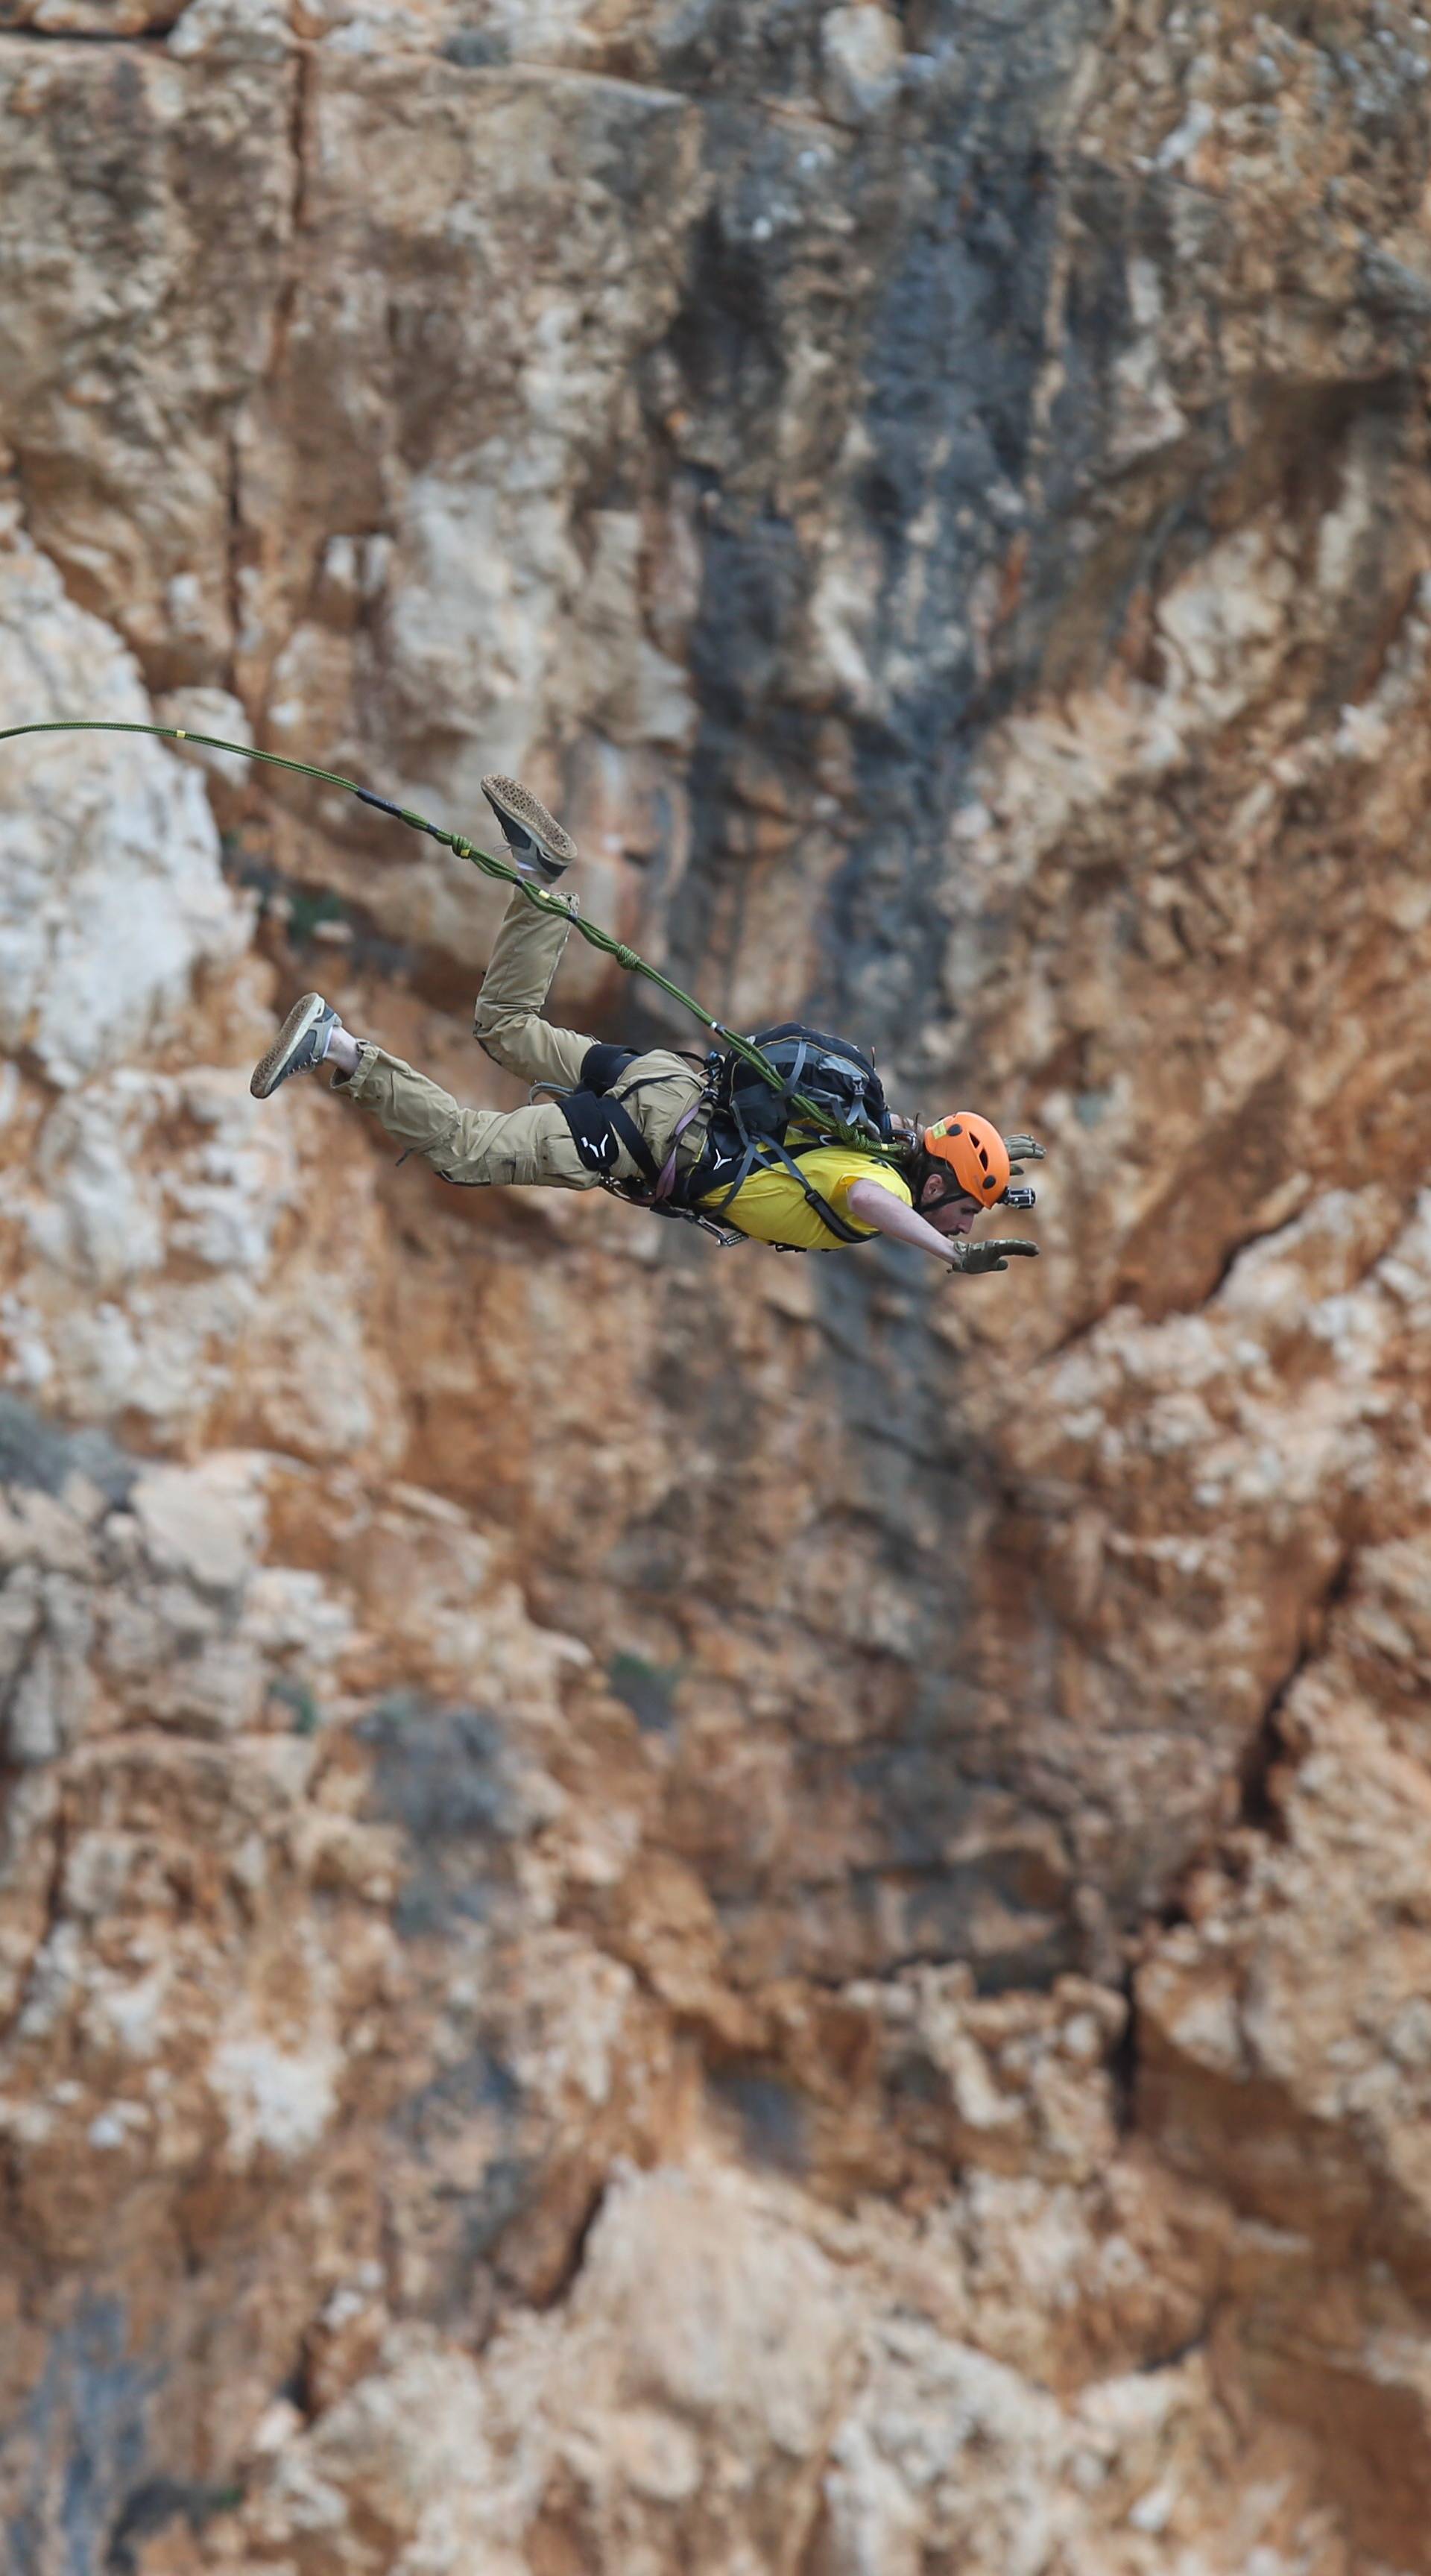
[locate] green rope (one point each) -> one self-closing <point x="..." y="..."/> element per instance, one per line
<point x="537" y="896"/>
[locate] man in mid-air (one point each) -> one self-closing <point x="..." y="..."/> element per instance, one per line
<point x="654" y="1126"/>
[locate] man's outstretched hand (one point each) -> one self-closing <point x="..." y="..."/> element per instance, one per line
<point x="972" y="1259"/>
<point x="871" y="1204"/>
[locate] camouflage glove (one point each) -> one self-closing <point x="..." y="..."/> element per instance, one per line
<point x="971" y="1260"/>
<point x="1024" y="1149"/>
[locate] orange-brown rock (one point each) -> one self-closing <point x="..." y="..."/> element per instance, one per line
<point x="662" y="1910"/>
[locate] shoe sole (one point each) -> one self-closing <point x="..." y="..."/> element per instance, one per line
<point x="270" y="1069"/>
<point x="511" y="802"/>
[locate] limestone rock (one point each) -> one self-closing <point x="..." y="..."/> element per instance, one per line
<point x="862" y="55"/>
<point x="660" y="1911"/>
<point x="113" y="898"/>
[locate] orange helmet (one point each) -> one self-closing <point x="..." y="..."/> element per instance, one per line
<point x="974" y="1151"/>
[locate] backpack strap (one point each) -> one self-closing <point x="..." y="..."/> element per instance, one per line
<point x="764" y="1152"/>
<point x="696" y="1185"/>
<point x="842" y="1232"/>
<point x="791" y="1083"/>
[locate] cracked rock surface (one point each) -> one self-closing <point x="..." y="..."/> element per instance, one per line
<point x="665" y="1911"/>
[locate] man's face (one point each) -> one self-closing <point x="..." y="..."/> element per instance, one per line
<point x="949" y="1211"/>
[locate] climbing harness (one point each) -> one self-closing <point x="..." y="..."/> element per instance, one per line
<point x="806" y="1101"/>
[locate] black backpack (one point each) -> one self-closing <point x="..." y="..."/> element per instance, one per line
<point x="828" y="1094"/>
<point x="824" y="1092"/>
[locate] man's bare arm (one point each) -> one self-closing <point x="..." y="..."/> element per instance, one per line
<point x="870" y="1203"/>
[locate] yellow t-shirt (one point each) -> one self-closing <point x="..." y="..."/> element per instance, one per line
<point x="771" y="1207"/>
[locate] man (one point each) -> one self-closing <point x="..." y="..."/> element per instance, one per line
<point x="642" y="1123"/>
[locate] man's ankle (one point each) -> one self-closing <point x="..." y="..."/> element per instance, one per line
<point x="344" y="1052"/>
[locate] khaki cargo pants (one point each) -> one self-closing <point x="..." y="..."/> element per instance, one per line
<point x="532" y="1147"/>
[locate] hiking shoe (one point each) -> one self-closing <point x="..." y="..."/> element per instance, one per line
<point x="301" y="1043"/>
<point x="538" y="844"/>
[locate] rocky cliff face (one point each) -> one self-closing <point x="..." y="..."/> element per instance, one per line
<point x="663" y="1911"/>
